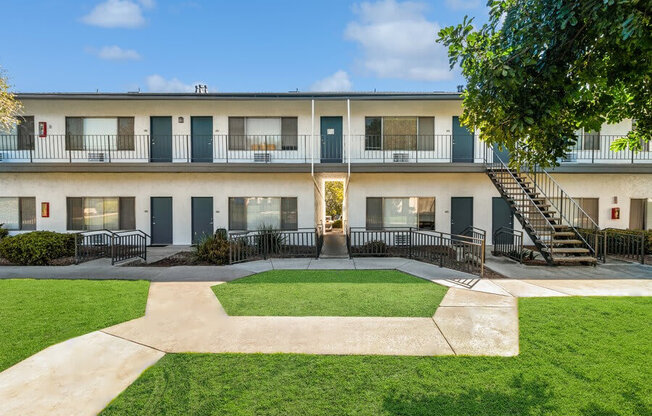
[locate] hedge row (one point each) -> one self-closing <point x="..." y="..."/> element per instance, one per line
<point x="37" y="247"/>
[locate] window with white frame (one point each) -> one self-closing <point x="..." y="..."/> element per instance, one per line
<point x="20" y="136"/>
<point x="252" y="213"/>
<point x="18" y="213"/>
<point x="416" y="212"/>
<point x="263" y="133"/>
<point x="399" y="133"/>
<point x="97" y="213"/>
<point x="100" y="133"/>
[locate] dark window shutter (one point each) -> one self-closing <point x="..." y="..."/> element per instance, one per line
<point x="373" y="131"/>
<point x="237" y="214"/>
<point x="289" y="220"/>
<point x="237" y="139"/>
<point x="592" y="140"/>
<point x="75" y="214"/>
<point x="74" y="133"/>
<point x="426" y="213"/>
<point x="27" y="213"/>
<point x="26" y="133"/>
<point x="127" y="213"/>
<point x="125" y="133"/>
<point x="374" y="213"/>
<point x="426" y="133"/>
<point x="289" y="133"/>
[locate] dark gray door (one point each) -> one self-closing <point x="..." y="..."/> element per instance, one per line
<point x="501" y="216"/>
<point x="160" y="139"/>
<point x="201" y="130"/>
<point x="461" y="213"/>
<point x="462" y="142"/>
<point x="202" y="218"/>
<point x="331" y="139"/>
<point x="161" y="215"/>
<point x="502" y="153"/>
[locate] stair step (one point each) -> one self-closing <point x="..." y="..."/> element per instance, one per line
<point x="577" y="259"/>
<point x="574" y="242"/>
<point x="564" y="234"/>
<point x="568" y="250"/>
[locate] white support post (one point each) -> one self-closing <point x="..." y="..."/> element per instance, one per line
<point x="312" y="140"/>
<point x="348" y="139"/>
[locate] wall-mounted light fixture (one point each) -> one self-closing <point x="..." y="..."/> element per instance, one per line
<point x="180" y="119"/>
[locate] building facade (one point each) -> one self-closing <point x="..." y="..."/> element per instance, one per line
<point x="181" y="165"/>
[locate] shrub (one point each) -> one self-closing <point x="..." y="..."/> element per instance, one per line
<point x="3" y="232"/>
<point x="648" y="236"/>
<point x="213" y="249"/>
<point x="373" y="247"/>
<point x="268" y="240"/>
<point x="337" y="224"/>
<point x="37" y="247"/>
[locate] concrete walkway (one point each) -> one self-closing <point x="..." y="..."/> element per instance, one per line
<point x="476" y="317"/>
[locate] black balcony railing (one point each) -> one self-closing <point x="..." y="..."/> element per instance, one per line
<point x="264" y="244"/>
<point x="277" y="148"/>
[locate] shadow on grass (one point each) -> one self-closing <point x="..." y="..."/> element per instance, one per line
<point x="526" y="397"/>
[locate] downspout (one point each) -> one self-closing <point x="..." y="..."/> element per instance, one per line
<point x="312" y="141"/>
<point x="348" y="141"/>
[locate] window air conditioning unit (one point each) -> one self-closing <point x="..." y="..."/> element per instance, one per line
<point x="262" y="157"/>
<point x="96" y="157"/>
<point x="401" y="157"/>
<point x="401" y="240"/>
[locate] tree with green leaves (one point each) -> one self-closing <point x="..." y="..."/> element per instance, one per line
<point x="540" y="70"/>
<point x="334" y="197"/>
<point x="10" y="107"/>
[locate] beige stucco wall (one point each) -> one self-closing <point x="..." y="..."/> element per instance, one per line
<point x="55" y="187"/>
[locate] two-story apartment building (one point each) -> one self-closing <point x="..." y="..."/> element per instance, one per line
<point x="180" y="165"/>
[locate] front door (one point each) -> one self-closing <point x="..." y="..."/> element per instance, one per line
<point x="462" y="143"/>
<point x="461" y="214"/>
<point x="161" y="216"/>
<point x="202" y="218"/>
<point x="502" y="152"/>
<point x="201" y="131"/>
<point x="501" y="216"/>
<point x="331" y="139"/>
<point x="160" y="139"/>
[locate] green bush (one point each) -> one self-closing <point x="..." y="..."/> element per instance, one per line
<point x="3" y="232"/>
<point x="648" y="236"/>
<point x="213" y="249"/>
<point x="337" y="224"/>
<point x="37" y="247"/>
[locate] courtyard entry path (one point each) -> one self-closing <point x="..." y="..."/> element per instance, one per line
<point x="476" y="317"/>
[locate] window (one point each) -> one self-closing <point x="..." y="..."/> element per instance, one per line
<point x="96" y="213"/>
<point x="591" y="140"/>
<point x="400" y="212"/>
<point x="399" y="133"/>
<point x="20" y="136"/>
<point x="640" y="214"/>
<point x="18" y="213"/>
<point x="255" y="212"/>
<point x="263" y="133"/>
<point x="99" y="133"/>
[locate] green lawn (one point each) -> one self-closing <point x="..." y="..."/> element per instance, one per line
<point x="330" y="293"/>
<point x="35" y="314"/>
<point x="579" y="356"/>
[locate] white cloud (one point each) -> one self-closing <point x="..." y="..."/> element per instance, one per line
<point x="397" y="41"/>
<point x="339" y="81"/>
<point x="463" y="4"/>
<point x="116" y="53"/>
<point x="156" y="83"/>
<point x="118" y="13"/>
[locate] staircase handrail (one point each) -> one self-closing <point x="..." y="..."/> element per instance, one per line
<point x="563" y="195"/>
<point x="552" y="229"/>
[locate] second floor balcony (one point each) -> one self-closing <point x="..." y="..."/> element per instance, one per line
<point x="285" y="149"/>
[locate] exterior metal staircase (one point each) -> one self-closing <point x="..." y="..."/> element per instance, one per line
<point x="548" y="215"/>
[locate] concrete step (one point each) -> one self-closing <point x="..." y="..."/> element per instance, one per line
<point x="576" y="259"/>
<point x="567" y="250"/>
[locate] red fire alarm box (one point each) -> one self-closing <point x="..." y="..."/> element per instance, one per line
<point x="45" y="209"/>
<point x="615" y="213"/>
<point x="42" y="129"/>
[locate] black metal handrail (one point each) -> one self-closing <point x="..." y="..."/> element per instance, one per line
<point x="116" y="245"/>
<point x="508" y="242"/>
<point x="459" y="252"/>
<point x="626" y="244"/>
<point x="475" y="232"/>
<point x="264" y="244"/>
<point x="566" y="207"/>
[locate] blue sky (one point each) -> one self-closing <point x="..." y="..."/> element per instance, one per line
<point x="168" y="46"/>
